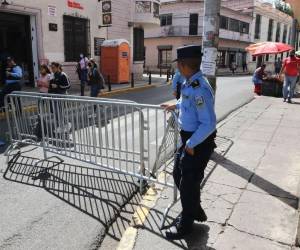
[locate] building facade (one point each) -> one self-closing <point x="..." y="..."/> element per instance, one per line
<point x="182" y="24"/>
<point x="268" y="24"/>
<point x="37" y="32"/>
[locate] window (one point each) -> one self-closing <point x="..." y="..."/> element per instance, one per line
<point x="234" y="25"/>
<point x="257" y="26"/>
<point x="143" y="7"/>
<point x="166" y="20"/>
<point x="270" y="30"/>
<point x="221" y="59"/>
<point x="284" y="36"/>
<point x="278" y="31"/>
<point x="253" y="58"/>
<point x="156" y="10"/>
<point x="267" y="57"/>
<point x="224" y="22"/>
<point x="138" y="44"/>
<point x="193" y="30"/>
<point x="244" y="27"/>
<point x="75" y="38"/>
<point x="164" y="58"/>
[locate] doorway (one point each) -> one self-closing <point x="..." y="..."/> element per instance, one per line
<point x="15" y="41"/>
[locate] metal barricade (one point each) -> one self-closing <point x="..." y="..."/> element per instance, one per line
<point x="134" y="139"/>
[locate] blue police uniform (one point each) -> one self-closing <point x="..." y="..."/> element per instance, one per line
<point x="12" y="82"/>
<point x="176" y="83"/>
<point x="197" y="121"/>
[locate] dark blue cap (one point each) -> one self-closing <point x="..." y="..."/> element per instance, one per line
<point x="190" y="51"/>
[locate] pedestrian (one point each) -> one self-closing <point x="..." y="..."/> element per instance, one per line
<point x="59" y="84"/>
<point x="233" y="67"/>
<point x="176" y="84"/>
<point x="43" y="81"/>
<point x="278" y="65"/>
<point x="13" y="77"/>
<point x="96" y="80"/>
<point x="291" y="67"/>
<point x="197" y="121"/>
<point x="257" y="79"/>
<point x="82" y="70"/>
<point x="245" y="66"/>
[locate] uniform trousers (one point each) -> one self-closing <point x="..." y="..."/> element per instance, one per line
<point x="188" y="174"/>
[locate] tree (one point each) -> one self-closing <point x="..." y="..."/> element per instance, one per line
<point x="284" y="7"/>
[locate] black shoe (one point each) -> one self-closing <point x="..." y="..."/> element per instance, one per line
<point x="200" y="215"/>
<point x="289" y="101"/>
<point x="178" y="232"/>
<point x="284" y="100"/>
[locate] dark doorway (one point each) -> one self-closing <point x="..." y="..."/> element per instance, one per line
<point x="75" y="38"/>
<point x="193" y="29"/>
<point x="15" y="40"/>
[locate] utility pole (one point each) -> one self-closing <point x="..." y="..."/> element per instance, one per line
<point x="294" y="33"/>
<point x="210" y="40"/>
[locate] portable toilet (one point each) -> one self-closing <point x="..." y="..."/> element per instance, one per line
<point x="115" y="60"/>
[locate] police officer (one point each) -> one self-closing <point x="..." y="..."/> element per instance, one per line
<point x="197" y="120"/>
<point x="13" y="79"/>
<point x="176" y="84"/>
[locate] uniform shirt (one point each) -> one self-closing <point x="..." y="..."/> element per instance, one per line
<point x="197" y="112"/>
<point x="16" y="75"/>
<point x="178" y="79"/>
<point x="291" y="65"/>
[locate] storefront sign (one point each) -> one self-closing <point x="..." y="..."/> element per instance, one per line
<point x="75" y="5"/>
<point x="51" y="10"/>
<point x="52" y="27"/>
<point x="97" y="45"/>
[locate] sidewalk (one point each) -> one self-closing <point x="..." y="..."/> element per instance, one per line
<point x="251" y="188"/>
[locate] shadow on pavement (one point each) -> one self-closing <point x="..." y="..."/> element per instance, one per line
<point x="258" y="181"/>
<point x="98" y="193"/>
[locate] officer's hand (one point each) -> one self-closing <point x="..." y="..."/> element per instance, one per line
<point x="168" y="107"/>
<point x="190" y="151"/>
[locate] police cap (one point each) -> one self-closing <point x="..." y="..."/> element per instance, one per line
<point x="190" y="51"/>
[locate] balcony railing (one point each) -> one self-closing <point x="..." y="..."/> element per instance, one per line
<point x="180" y="31"/>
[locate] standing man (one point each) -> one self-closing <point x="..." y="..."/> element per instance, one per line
<point x="59" y="84"/>
<point x="291" y="66"/>
<point x="13" y="77"/>
<point x="83" y="72"/>
<point x="197" y="120"/>
<point x="176" y="84"/>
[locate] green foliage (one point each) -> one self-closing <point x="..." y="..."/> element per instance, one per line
<point x="284" y="7"/>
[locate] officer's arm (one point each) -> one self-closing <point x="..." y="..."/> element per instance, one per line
<point x="64" y="84"/>
<point x="205" y="110"/>
<point x="17" y="72"/>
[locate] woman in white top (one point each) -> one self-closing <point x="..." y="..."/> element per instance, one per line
<point x="44" y="79"/>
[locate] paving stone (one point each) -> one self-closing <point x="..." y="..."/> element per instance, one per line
<point x="233" y="239"/>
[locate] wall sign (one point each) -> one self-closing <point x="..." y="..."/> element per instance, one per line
<point x="106" y="6"/>
<point x="52" y="26"/>
<point x="75" y="5"/>
<point x="97" y="45"/>
<point x="107" y="19"/>
<point x="51" y="10"/>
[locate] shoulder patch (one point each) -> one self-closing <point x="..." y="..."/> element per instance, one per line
<point x="196" y="84"/>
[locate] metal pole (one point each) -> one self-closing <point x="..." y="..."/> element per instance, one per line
<point x="210" y="39"/>
<point x="167" y="76"/>
<point x="132" y="80"/>
<point x="150" y="78"/>
<point x="108" y="83"/>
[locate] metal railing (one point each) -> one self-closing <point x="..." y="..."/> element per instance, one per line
<point x="134" y="139"/>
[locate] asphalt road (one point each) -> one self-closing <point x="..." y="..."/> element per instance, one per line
<point x="70" y="208"/>
<point x="232" y="92"/>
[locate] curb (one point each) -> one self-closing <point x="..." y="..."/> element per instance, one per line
<point x="126" y="90"/>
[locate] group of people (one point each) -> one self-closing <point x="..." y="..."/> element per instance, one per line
<point x="287" y="71"/>
<point x="88" y="73"/>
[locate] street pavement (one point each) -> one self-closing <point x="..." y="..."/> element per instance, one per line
<point x="250" y="192"/>
<point x="73" y="206"/>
